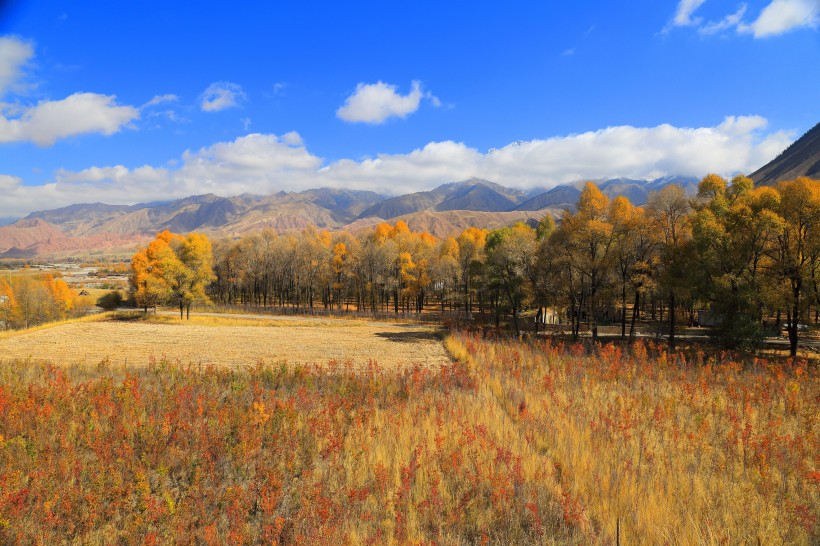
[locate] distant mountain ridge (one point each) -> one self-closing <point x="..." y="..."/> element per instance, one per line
<point x="802" y="158"/>
<point x="442" y="211"/>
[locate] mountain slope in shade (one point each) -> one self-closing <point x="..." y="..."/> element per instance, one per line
<point x="637" y="191"/>
<point x="802" y="158"/>
<point x="556" y="197"/>
<point x="478" y="197"/>
<point x="471" y="194"/>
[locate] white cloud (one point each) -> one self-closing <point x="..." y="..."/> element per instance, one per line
<point x="77" y="114"/>
<point x="14" y="54"/>
<point x="730" y="21"/>
<point x="377" y="102"/>
<point x="221" y="96"/>
<point x="782" y="16"/>
<point x="161" y="99"/>
<point x="778" y="17"/>
<point x="265" y="163"/>
<point x="51" y="120"/>
<point x="683" y="15"/>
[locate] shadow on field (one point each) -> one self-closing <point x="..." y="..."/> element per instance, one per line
<point x="128" y="316"/>
<point x="406" y="337"/>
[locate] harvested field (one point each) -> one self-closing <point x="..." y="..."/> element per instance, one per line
<point x="233" y="344"/>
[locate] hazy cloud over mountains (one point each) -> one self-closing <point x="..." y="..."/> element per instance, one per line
<point x="266" y="163"/>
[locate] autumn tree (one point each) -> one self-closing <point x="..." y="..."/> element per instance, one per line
<point x="793" y="253"/>
<point x="446" y="271"/>
<point x="471" y="252"/>
<point x="587" y="239"/>
<point x="147" y="281"/>
<point x="627" y="229"/>
<point x="9" y="311"/>
<point x="641" y="240"/>
<point x="172" y="269"/>
<point x="196" y="256"/>
<point x="546" y="272"/>
<point x="62" y="297"/>
<point x="669" y="208"/>
<point x="733" y="226"/>
<point x="510" y="259"/>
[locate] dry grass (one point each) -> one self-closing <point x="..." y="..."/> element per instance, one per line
<point x="513" y="443"/>
<point x="6" y="334"/>
<point x="232" y="342"/>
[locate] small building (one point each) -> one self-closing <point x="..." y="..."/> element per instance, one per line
<point x="548" y="315"/>
<point x="707" y="318"/>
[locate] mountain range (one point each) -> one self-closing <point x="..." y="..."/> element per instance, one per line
<point x="443" y="211"/>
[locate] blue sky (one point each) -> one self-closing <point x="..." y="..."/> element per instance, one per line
<point x="140" y="101"/>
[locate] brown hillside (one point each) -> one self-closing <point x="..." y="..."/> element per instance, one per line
<point x="34" y="237"/>
<point x="24" y="233"/>
<point x="452" y="222"/>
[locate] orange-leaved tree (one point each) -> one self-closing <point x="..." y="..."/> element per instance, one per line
<point x="147" y="281"/>
<point x="197" y="259"/>
<point x="172" y="269"/>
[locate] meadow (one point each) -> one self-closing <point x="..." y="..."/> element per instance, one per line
<point x="132" y="338"/>
<point x="505" y="442"/>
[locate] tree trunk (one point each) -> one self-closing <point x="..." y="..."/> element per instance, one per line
<point x="623" y="310"/>
<point x="672" y="320"/>
<point x="515" y="322"/>
<point x="634" y="316"/>
<point x="592" y="320"/>
<point x="793" y="318"/>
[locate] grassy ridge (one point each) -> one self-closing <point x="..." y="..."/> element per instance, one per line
<point x="511" y="444"/>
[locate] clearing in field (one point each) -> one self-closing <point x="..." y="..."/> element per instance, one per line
<point x="229" y="342"/>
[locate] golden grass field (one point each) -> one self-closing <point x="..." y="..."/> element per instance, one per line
<point x="232" y="342"/>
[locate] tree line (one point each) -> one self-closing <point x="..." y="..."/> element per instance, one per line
<point x="28" y="299"/>
<point x="750" y="256"/>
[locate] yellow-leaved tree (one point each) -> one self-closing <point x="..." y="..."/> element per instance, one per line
<point x="9" y="310"/>
<point x="62" y="297"/>
<point x="173" y="269"/>
<point x="196" y="256"/>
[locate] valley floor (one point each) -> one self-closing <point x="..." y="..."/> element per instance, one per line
<point x="234" y="341"/>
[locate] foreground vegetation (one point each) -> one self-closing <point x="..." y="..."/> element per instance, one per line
<point x="513" y="443"/>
